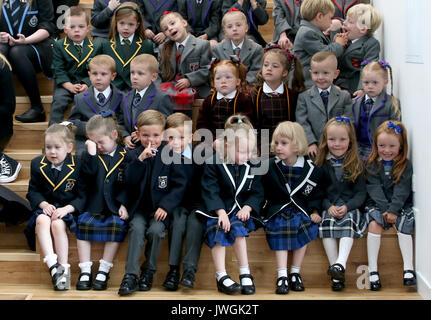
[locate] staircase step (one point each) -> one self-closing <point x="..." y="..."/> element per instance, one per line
<point x="19" y="255"/>
<point x="28" y="136"/>
<point x="46" y="85"/>
<point x="23" y="104"/>
<point x="12" y="236"/>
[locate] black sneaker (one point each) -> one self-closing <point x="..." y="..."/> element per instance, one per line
<point x="9" y="168"/>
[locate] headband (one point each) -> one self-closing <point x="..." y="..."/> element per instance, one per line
<point x="341" y="118"/>
<point x="397" y="129"/>
<point x="131" y="8"/>
<point x="289" y="54"/>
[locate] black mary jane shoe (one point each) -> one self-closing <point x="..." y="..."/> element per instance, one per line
<point x="101" y="285"/>
<point x="172" y="279"/>
<point x="248" y="289"/>
<point x="296" y="282"/>
<point x="375" y="285"/>
<point x="84" y="285"/>
<point x="188" y="279"/>
<point x="337" y="271"/>
<point x="129" y="284"/>
<point x="410" y="281"/>
<point x="232" y="289"/>
<point x="55" y="278"/>
<point x="283" y="286"/>
<point x="337" y="285"/>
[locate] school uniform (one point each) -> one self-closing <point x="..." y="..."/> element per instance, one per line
<point x="385" y="196"/>
<point x="310" y="40"/>
<point x="312" y="114"/>
<point x="251" y="55"/>
<point x="153" y="10"/>
<point x="69" y="65"/>
<point x="216" y="108"/>
<point x="88" y="104"/>
<point x="287" y="18"/>
<point x="123" y="54"/>
<point x="364" y="48"/>
<point x="153" y="99"/>
<point x="229" y="187"/>
<point x="338" y="192"/>
<point x="151" y="184"/>
<point x="291" y="194"/>
<point x="255" y="17"/>
<point x="103" y="182"/>
<point x="341" y="7"/>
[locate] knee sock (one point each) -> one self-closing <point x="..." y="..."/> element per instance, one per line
<point x="406" y="245"/>
<point x="245" y="270"/>
<point x="344" y="251"/>
<point x="104" y="266"/>
<point x="50" y="260"/>
<point x="373" y="247"/>
<point x="330" y="245"/>
<point x="85" y="267"/>
<point x="227" y="282"/>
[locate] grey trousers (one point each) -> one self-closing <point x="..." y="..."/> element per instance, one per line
<point x="60" y="101"/>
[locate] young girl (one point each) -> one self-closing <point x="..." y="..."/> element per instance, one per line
<point x="273" y="100"/>
<point x="345" y="193"/>
<point x="375" y="105"/>
<point x="55" y="195"/>
<point x="233" y="196"/>
<point x="389" y="186"/>
<point x="291" y="215"/>
<point x="104" y="219"/>
<point x="228" y="96"/>
<point x="184" y="58"/>
<point x="126" y="42"/>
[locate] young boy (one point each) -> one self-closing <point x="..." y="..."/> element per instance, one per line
<point x="185" y="223"/>
<point x="98" y="98"/>
<point x="362" y="21"/>
<point x="70" y="59"/>
<point x="157" y="189"/>
<point x="316" y="18"/>
<point x="234" y="24"/>
<point x="144" y="96"/>
<point x="322" y="101"/>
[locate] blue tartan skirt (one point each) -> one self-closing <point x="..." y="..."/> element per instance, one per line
<point x="238" y="228"/>
<point x="68" y="219"/>
<point x="404" y="224"/>
<point x="101" y="228"/>
<point x="290" y="230"/>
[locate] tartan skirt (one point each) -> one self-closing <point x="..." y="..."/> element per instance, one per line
<point x="352" y="225"/>
<point x="68" y="219"/>
<point x="404" y="224"/>
<point x="101" y="228"/>
<point x="290" y="230"/>
<point x="238" y="228"/>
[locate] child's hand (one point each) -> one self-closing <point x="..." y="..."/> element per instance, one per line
<point x="148" y="152"/>
<point x="358" y="93"/>
<point x="312" y="150"/>
<point x="160" y="214"/>
<point x="159" y="38"/>
<point x="342" y="211"/>
<point x="72" y="88"/>
<point x="182" y="84"/>
<point x="128" y="142"/>
<point x="135" y="137"/>
<point x="21" y="40"/>
<point x="83" y="87"/>
<point x="223" y="220"/>
<point x="47" y="208"/>
<point x="149" y="33"/>
<point x="284" y="42"/>
<point x="204" y="36"/>
<point x="122" y="212"/>
<point x="253" y="4"/>
<point x="60" y="213"/>
<point x="333" y="211"/>
<point x="389" y="217"/>
<point x="4" y="37"/>
<point x="244" y="213"/>
<point x="336" y="25"/>
<point x="91" y="147"/>
<point x="315" y="217"/>
<point x="113" y="4"/>
<point x="341" y="38"/>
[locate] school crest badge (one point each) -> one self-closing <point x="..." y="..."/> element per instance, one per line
<point x="194" y="66"/>
<point x="308" y="189"/>
<point x="33" y="21"/>
<point x="120" y="174"/>
<point x="163" y="182"/>
<point x="69" y="184"/>
<point x="356" y="63"/>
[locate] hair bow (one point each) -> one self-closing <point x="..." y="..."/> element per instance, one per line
<point x="397" y="129"/>
<point x="271" y="46"/>
<point x="213" y="63"/>
<point x="365" y="62"/>
<point x="235" y="59"/>
<point x="106" y="113"/>
<point x="289" y="54"/>
<point x="341" y="118"/>
<point x="384" y="64"/>
<point x="167" y="12"/>
<point x="233" y="9"/>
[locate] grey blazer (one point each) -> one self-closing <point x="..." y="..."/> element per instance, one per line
<point x="287" y="18"/>
<point x="310" y="40"/>
<point x="311" y="114"/>
<point x="365" y="48"/>
<point x="251" y="55"/>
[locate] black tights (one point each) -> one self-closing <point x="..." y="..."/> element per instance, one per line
<point x="25" y="65"/>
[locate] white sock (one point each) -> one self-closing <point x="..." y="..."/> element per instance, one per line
<point x="331" y="249"/>
<point x="85" y="267"/>
<point x="406" y="245"/>
<point x="345" y="247"/>
<point x="50" y="260"/>
<point x="282" y="272"/>
<point x="245" y="281"/>
<point x="104" y="266"/>
<point x="373" y="247"/>
<point x="227" y="282"/>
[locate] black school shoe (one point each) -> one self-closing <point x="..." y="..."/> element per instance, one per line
<point x="375" y="285"/>
<point x="56" y="277"/>
<point x="84" y="285"/>
<point x="409" y="281"/>
<point x="172" y="279"/>
<point x="337" y="285"/>
<point x="232" y="289"/>
<point x="145" y="281"/>
<point x="248" y="289"/>
<point x="283" y="286"/>
<point x="296" y="282"/>
<point x="101" y="285"/>
<point x="188" y="279"/>
<point x="31" y="115"/>
<point x="129" y="284"/>
<point x="337" y="272"/>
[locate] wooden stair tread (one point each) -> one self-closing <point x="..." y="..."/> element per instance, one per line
<point x="18" y="255"/>
<point x="36" y="126"/>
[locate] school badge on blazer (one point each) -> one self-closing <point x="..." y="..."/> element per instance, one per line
<point x="356" y="62"/>
<point x="194" y="66"/>
<point x="163" y="182"/>
<point x="69" y="184"/>
<point x="120" y="174"/>
<point x="308" y="189"/>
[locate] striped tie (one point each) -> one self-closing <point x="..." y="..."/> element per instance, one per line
<point x="15" y="8"/>
<point x="79" y="49"/>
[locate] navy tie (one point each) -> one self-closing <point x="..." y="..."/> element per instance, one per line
<point x="324" y="94"/>
<point x="368" y="105"/>
<point x="101" y="98"/>
<point x="55" y="174"/>
<point x="15" y="8"/>
<point x="137" y="99"/>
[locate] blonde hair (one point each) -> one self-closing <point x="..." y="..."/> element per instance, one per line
<point x="231" y="14"/>
<point x="151" y="117"/>
<point x="294" y="132"/>
<point x="76" y="11"/>
<point x="103" y="60"/>
<point x="123" y="11"/>
<point x="352" y="164"/>
<point x="322" y="56"/>
<point x="65" y="133"/>
<point x="146" y="61"/>
<point x="105" y="125"/>
<point x="177" y="120"/>
<point x="310" y="8"/>
<point x="3" y="61"/>
<point x="366" y="16"/>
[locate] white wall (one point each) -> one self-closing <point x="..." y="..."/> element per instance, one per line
<point x="413" y="87"/>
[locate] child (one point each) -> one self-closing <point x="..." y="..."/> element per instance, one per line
<point x="232" y="197"/>
<point x="126" y="42"/>
<point x="228" y="97"/>
<point x="234" y="24"/>
<point x="184" y="58"/>
<point x="389" y="187"/>
<point x="100" y="97"/>
<point x="255" y="12"/>
<point x="202" y="17"/>
<point x="345" y="193"/>
<point x="70" y="58"/>
<point x="185" y="225"/>
<point x="287" y="18"/>
<point x="154" y="10"/>
<point x="291" y="211"/>
<point x="104" y="219"/>
<point x="316" y="15"/>
<point x="144" y="96"/>
<point x="374" y="106"/>
<point x="155" y="189"/>
<point x="55" y="196"/>
<point x="362" y="21"/>
<point x="273" y="101"/>
<point x="322" y="101"/>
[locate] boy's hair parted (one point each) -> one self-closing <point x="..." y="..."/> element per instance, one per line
<point x="352" y="164"/>
<point x="233" y="13"/>
<point x="65" y="132"/>
<point x="400" y="161"/>
<point x="127" y="9"/>
<point x="76" y="11"/>
<point x="293" y="131"/>
<point x="105" y="125"/>
<point x="147" y="61"/>
<point x="177" y="120"/>
<point x="322" y="56"/>
<point x="239" y="70"/>
<point x="366" y="15"/>
<point x="103" y="60"/>
<point x="151" y="117"/>
<point x="310" y="8"/>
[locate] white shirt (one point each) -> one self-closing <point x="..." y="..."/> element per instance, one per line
<point x="368" y="97"/>
<point x="79" y="44"/>
<point x="300" y="161"/>
<point x="130" y="38"/>
<point x="238" y="46"/>
<point x="112" y="153"/>
<point x="57" y="167"/>
<point x="142" y="92"/>
<point x="328" y="89"/>
<point x="183" y="43"/>
<point x="228" y="96"/>
<point x="106" y="92"/>
<point x="267" y="89"/>
<point x="187" y="152"/>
